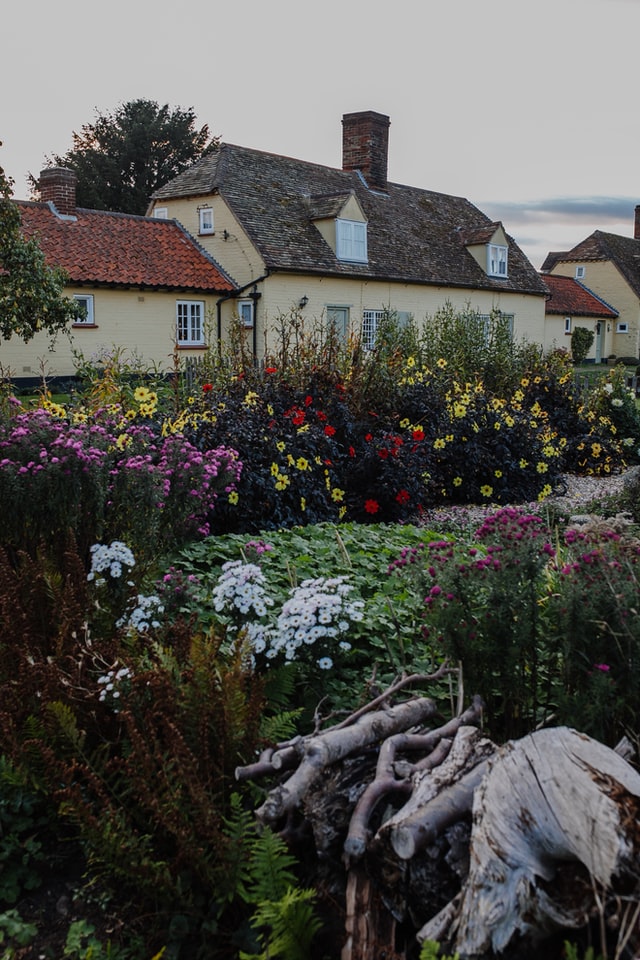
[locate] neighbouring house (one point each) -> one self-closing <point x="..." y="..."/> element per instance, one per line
<point x="146" y="285"/>
<point x="609" y="265"/>
<point x="570" y="305"/>
<point x="344" y="245"/>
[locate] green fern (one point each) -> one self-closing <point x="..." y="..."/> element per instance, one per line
<point x="282" y="726"/>
<point x="270" y="868"/>
<point x="431" y="951"/>
<point x="288" y="927"/>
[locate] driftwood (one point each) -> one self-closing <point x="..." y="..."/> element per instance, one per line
<point x="427" y="830"/>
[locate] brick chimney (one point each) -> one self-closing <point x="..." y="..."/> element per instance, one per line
<point x="636" y="224"/>
<point x="58" y="185"/>
<point x="365" y="142"/>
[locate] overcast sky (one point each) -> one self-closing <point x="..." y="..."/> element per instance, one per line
<point x="528" y="109"/>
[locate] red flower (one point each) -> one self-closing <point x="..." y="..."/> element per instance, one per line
<point x="371" y="506"/>
<point x="207" y="387"/>
<point x="298" y="419"/>
<point x="321" y="416"/>
<point x="340" y="387"/>
<point x="383" y="454"/>
<point x="270" y="369"/>
<point x="418" y="434"/>
<point x="403" y="496"/>
<point x="368" y="437"/>
<point x="308" y="401"/>
<point x="329" y="430"/>
<point x="352" y="451"/>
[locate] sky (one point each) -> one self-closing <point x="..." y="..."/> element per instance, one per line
<point x="528" y="108"/>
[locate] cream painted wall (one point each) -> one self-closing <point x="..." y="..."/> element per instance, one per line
<point x="137" y="321"/>
<point x="236" y="255"/>
<point x="283" y="292"/>
<point x="604" y="279"/>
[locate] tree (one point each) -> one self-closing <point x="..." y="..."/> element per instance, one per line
<point x="31" y="292"/>
<point x="125" y="155"/>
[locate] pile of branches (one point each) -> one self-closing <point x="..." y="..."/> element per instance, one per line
<point x="424" y="829"/>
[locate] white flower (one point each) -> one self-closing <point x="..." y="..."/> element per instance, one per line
<point x="616" y="402"/>
<point x="110" y="559"/>
<point x="325" y="663"/>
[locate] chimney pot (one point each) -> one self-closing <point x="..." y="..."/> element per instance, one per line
<point x="58" y="186"/>
<point x="365" y="144"/>
<point x="636" y="224"/>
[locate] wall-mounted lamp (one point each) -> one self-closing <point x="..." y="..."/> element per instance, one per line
<point x="225" y="234"/>
<point x="303" y="302"/>
<point x="608" y="328"/>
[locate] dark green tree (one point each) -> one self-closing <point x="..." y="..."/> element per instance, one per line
<point x="31" y="292"/>
<point x="125" y="155"/>
<point x="581" y="340"/>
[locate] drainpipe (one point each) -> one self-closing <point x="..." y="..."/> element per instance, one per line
<point x="255" y="296"/>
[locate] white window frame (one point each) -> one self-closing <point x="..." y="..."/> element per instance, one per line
<point x="567" y="324"/>
<point x="580" y="273"/>
<point x="246" y="313"/>
<point x="486" y="318"/>
<point x="497" y="260"/>
<point x="351" y="241"/>
<point x="87" y="300"/>
<point x="205" y="217"/>
<point x="370" y="321"/>
<point x="161" y="213"/>
<point x="190" y="323"/>
<point x="622" y="326"/>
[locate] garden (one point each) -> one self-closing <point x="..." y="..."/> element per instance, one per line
<point x="209" y="579"/>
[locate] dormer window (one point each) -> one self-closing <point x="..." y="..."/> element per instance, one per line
<point x="206" y="220"/>
<point x="351" y="241"/>
<point x="497" y="259"/>
<point x="580" y="272"/>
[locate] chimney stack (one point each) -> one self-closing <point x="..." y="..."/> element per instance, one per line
<point x="58" y="186"/>
<point x="636" y="224"/>
<point x="365" y="143"/>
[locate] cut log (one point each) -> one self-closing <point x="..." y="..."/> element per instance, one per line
<point x="554" y="798"/>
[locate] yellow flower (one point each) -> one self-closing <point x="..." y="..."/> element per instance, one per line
<point x="341" y="512"/>
<point x="280" y="445"/>
<point x="441" y="363"/>
<point x="509" y="420"/>
<point x="498" y="473"/>
<point x="457" y="481"/>
<point x="405" y="423"/>
<point x="337" y="495"/>
<point x="233" y="497"/>
<point x="410" y="361"/>
<point x="141" y="394"/>
<point x="518" y="395"/>
<point x="546" y="490"/>
<point x="542" y="467"/>
<point x="497" y="425"/>
<point x="302" y="463"/>
<point x="524" y="382"/>
<point x="251" y="399"/>
<point x="303" y="504"/>
<point x="486" y="490"/>
<point x="303" y="429"/>
<point x="459" y="410"/>
<point x="123" y="441"/>
<point x="524" y="463"/>
<point x="449" y="438"/>
<point x="269" y="409"/>
<point x="596" y="449"/>
<point x="282" y="482"/>
<point x="275" y="469"/>
<point x="439" y="444"/>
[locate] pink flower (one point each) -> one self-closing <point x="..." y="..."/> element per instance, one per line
<point x="602" y="666"/>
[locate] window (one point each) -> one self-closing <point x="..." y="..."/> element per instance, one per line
<point x="580" y="272"/>
<point x="496" y="260"/>
<point x="622" y="327"/>
<point x="190" y="323"/>
<point x="370" y="321"/>
<point x="351" y="240"/>
<point x="245" y="312"/>
<point x="86" y="302"/>
<point x="503" y="319"/>
<point x="161" y="213"/>
<point x="338" y="318"/>
<point x="567" y="324"/>
<point x="206" y="220"/>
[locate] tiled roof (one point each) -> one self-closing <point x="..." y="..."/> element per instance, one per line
<point x="117" y="249"/>
<point x="624" y="252"/>
<point x="413" y="236"/>
<point x="569" y="297"/>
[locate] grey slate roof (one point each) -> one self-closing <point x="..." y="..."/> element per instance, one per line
<point x="414" y="236"/>
<point x="624" y="252"/>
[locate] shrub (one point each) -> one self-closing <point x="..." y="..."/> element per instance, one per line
<point x="581" y="341"/>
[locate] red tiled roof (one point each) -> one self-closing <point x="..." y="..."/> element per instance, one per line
<point x="117" y="249"/>
<point x="569" y="297"/>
